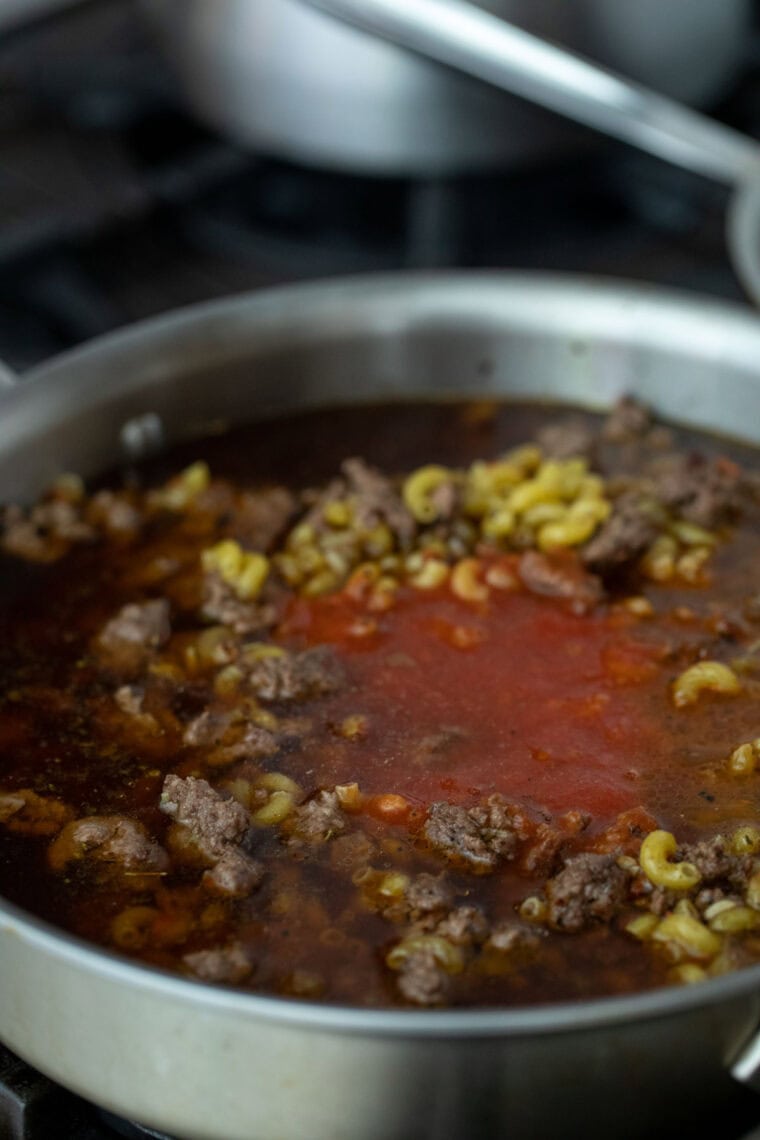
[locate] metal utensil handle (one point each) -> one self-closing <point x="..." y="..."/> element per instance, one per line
<point x="19" y="13"/>
<point x="478" y="43"/>
<point x="8" y="378"/>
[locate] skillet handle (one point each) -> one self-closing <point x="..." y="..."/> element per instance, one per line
<point x="477" y="42"/>
<point x="8" y="378"/>
<point x="746" y="1067"/>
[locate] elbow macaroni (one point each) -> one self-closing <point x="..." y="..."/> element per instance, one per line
<point x="656" y="852"/>
<point x="705" y="676"/>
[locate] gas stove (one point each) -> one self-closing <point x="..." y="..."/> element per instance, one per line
<point x="117" y="206"/>
<point x="34" y="1108"/>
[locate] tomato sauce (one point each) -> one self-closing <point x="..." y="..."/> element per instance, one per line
<point x="518" y="695"/>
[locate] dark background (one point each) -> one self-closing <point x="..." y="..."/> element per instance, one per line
<point x="115" y="204"/>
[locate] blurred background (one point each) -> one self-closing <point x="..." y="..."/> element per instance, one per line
<point x="157" y="154"/>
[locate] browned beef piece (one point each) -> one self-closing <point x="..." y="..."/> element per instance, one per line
<point x="660" y="901"/>
<point x="628" y="420"/>
<point x="335" y="491"/>
<point x="113" y="514"/>
<point x="23" y="539"/>
<point x="319" y="819"/>
<point x="296" y="676"/>
<point x="378" y="501"/>
<point x="214" y="727"/>
<point x="26" y="813"/>
<point x="510" y="935"/>
<point x="716" y="862"/>
<point x="709" y="895"/>
<point x="623" y="538"/>
<point x="494" y="821"/>
<point x="109" y="840"/>
<point x="464" y="926"/>
<point x="221" y="604"/>
<point x="423" y="980"/>
<point x="63" y="519"/>
<point x="235" y="874"/>
<point x="254" y="744"/>
<point x="566" y="439"/>
<point x="428" y="894"/>
<point x="262" y="516"/>
<point x="350" y="852"/>
<point x="11" y="803"/>
<point x="207" y="729"/>
<point x="446" y="498"/>
<point x="130" y="700"/>
<point x="127" y="642"/>
<point x="224" y="964"/>
<point x="541" y="855"/>
<point x="46" y="532"/>
<point x="559" y="576"/>
<point x="215" y="821"/>
<point x="476" y="838"/>
<point x="703" y="491"/>
<point x="589" y="888"/>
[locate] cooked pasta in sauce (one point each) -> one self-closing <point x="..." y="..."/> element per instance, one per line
<point x="426" y="705"/>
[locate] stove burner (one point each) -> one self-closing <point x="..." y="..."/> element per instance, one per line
<point x="29" y="1101"/>
<point x="117" y="206"/>
<point x="32" y="1107"/>
<point x="129" y="1130"/>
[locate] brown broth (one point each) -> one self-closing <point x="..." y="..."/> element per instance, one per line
<point x="586" y="696"/>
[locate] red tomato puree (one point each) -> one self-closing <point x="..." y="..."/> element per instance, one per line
<point x="518" y="695"/>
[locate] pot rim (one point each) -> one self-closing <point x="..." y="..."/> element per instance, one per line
<point x="710" y="327"/>
<point x="505" y="1022"/>
<point x="720" y="330"/>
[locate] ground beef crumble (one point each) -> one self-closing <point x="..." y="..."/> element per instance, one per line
<point x="296" y="676"/>
<point x="477" y="838"/>
<point x="428" y="894"/>
<point x="225" y="965"/>
<point x="235" y="874"/>
<point x="378" y="501"/>
<point x="318" y="820"/>
<point x="567" y="439"/>
<point x="559" y="576"/>
<point x="128" y="641"/>
<point x="214" y="820"/>
<point x="46" y="532"/>
<point x="716" y="863"/>
<point x="261" y="517"/>
<point x="624" y="537"/>
<point x="26" y="813"/>
<point x="422" y="980"/>
<point x="464" y="926"/>
<point x="118" y="844"/>
<point x="702" y="491"/>
<point x="510" y="935"/>
<point x="221" y="604"/>
<point x="589" y="888"/>
<point x="628" y="420"/>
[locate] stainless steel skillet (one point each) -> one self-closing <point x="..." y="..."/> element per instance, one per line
<point x="209" y="1064"/>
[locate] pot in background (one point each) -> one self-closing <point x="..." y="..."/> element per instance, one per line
<point x="288" y="81"/>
